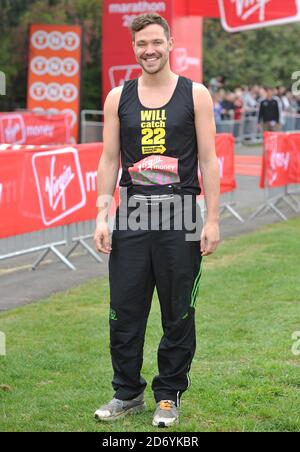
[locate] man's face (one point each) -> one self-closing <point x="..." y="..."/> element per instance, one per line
<point x="152" y="48"/>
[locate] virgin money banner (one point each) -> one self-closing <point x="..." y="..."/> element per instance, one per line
<point x="54" y="71"/>
<point x="48" y="186"/>
<point x="281" y="159"/>
<point x="119" y="63"/>
<point x="239" y="15"/>
<point x="29" y="128"/>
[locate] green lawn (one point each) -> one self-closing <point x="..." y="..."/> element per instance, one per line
<point x="244" y="375"/>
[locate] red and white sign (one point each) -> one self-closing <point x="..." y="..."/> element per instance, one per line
<point x="281" y="159"/>
<point x="55" y="71"/>
<point x="239" y="15"/>
<point x="29" y="128"/>
<point x="46" y="186"/>
<point x="59" y="184"/>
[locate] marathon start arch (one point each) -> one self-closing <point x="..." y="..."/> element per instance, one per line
<point x="186" y="19"/>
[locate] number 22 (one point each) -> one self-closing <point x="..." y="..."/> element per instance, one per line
<point x="153" y="136"/>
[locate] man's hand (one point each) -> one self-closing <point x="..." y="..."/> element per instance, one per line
<point x="210" y="238"/>
<point x="102" y="237"/>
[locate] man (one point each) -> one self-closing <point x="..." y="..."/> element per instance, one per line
<point x="269" y="112"/>
<point x="160" y="124"/>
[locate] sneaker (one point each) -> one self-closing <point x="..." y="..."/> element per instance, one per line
<point x="116" y="408"/>
<point x="166" y="414"/>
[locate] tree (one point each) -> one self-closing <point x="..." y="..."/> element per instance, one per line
<point x="262" y="56"/>
<point x="15" y="18"/>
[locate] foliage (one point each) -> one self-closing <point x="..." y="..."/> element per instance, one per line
<point x="266" y="56"/>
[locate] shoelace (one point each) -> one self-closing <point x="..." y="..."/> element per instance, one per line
<point x="165" y="405"/>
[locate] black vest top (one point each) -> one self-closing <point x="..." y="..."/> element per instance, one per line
<point x="159" y="145"/>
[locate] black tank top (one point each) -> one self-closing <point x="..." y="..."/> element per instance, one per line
<point x="159" y="145"/>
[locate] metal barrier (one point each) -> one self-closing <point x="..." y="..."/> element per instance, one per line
<point x="91" y="126"/>
<point x="49" y="241"/>
<point x="273" y="196"/>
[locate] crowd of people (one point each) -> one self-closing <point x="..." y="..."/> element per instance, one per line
<point x="275" y="108"/>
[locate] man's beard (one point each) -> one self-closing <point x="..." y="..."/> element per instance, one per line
<point x="161" y="66"/>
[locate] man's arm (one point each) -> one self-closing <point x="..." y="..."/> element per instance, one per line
<point x="209" y="166"/>
<point x="108" y="169"/>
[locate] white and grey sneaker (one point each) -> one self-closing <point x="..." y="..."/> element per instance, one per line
<point x="116" y="408"/>
<point x="166" y="414"/>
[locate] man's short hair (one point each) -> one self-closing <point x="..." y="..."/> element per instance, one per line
<point x="142" y="21"/>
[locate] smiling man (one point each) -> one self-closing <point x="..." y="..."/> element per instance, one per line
<point x="162" y="126"/>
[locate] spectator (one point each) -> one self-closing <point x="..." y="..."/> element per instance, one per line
<point x="269" y="112"/>
<point x="217" y="107"/>
<point x="238" y="106"/>
<point x="249" y="101"/>
<point x="217" y="83"/>
<point x="228" y="107"/>
<point x="243" y="103"/>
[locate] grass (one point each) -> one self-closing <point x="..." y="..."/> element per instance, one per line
<point x="244" y="375"/>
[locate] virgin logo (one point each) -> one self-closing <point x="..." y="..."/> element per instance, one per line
<point x="246" y="8"/>
<point x="238" y="15"/>
<point x="119" y="74"/>
<point x="280" y="160"/>
<point x="56" y="185"/>
<point x="12" y="129"/>
<point x="59" y="184"/>
<point x="183" y="61"/>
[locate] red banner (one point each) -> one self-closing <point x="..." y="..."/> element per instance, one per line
<point x="119" y="63"/>
<point x="29" y="128"/>
<point x="281" y="159"/>
<point x="54" y="71"/>
<point x="208" y="8"/>
<point x="46" y="187"/>
<point x="42" y="187"/>
<point x="225" y="154"/>
<point x="239" y="15"/>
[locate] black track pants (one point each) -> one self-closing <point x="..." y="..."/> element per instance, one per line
<point x="139" y="261"/>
